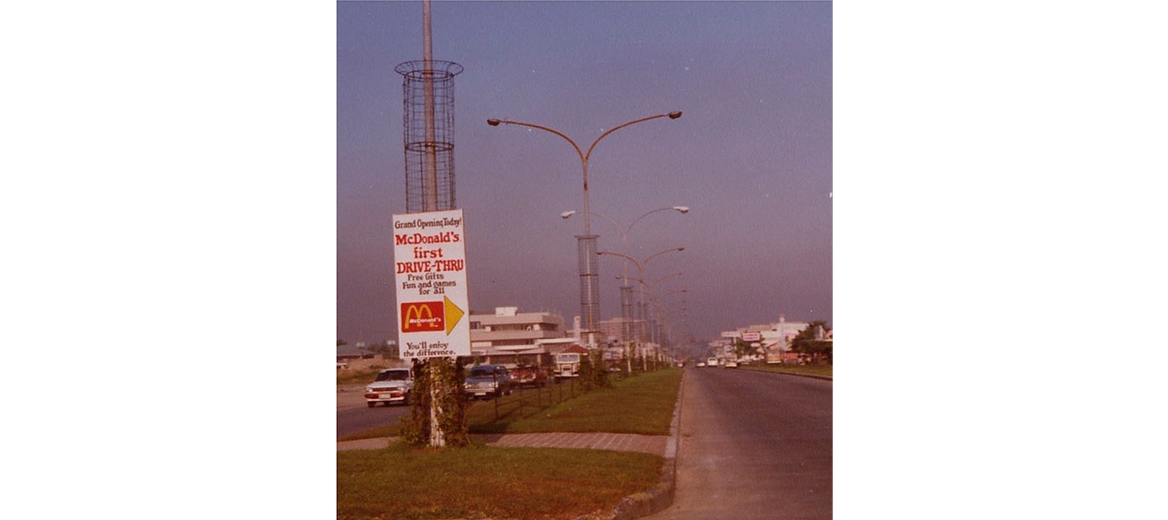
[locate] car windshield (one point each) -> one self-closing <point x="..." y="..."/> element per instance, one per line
<point x="394" y="375"/>
<point x="482" y="372"/>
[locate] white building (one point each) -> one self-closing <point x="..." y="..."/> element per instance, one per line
<point x="774" y="338"/>
<point x="511" y="337"/>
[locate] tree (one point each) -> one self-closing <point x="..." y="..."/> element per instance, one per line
<point x="417" y="428"/>
<point x="812" y="340"/>
<point x="743" y="348"/>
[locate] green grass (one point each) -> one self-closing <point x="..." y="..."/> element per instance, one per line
<point x="642" y="404"/>
<point x="482" y="482"/>
<point x="389" y="430"/>
<point x="815" y="370"/>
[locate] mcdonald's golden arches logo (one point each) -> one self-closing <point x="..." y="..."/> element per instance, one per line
<point x="430" y="316"/>
<point x="422" y="317"/>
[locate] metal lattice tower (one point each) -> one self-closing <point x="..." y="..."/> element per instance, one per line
<point x="428" y="145"/>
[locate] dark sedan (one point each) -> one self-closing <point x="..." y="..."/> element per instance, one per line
<point x="488" y="380"/>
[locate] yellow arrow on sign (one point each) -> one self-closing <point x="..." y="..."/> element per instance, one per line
<point x="453" y="314"/>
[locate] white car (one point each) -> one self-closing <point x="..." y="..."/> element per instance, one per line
<point x="392" y="385"/>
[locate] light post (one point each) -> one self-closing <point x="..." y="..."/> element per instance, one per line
<point x="640" y="265"/>
<point x="647" y="309"/>
<point x="626" y="288"/>
<point x="586" y="243"/>
<point x="664" y="312"/>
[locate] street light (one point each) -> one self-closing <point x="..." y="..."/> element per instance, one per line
<point x="624" y="234"/>
<point x="640" y="265"/>
<point x="586" y="243"/>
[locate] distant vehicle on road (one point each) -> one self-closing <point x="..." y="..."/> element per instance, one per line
<point x="730" y="363"/>
<point x="701" y="364"/>
<point x="392" y="385"/>
<point x="529" y="375"/>
<point x="488" y="380"/>
<point x="712" y="362"/>
<point x="568" y="364"/>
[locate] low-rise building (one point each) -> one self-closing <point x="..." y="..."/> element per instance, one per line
<point x="510" y="337"/>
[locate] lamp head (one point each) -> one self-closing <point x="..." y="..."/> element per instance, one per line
<point x="493" y="122"/>
<point x="682" y="209"/>
<point x="675" y="114"/>
<point x="567" y="214"/>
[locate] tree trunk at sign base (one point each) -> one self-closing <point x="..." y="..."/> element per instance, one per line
<point x="438" y="406"/>
<point x="437" y="439"/>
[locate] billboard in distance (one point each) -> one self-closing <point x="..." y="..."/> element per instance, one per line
<point x="429" y="251"/>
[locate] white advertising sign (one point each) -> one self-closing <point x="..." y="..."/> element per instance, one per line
<point x="751" y="336"/>
<point x="429" y="251"/>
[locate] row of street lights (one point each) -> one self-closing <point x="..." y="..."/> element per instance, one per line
<point x="586" y="243"/>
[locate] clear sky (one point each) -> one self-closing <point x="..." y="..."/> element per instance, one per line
<point x="751" y="156"/>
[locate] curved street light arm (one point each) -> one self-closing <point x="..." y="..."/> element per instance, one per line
<point x="681" y="209"/>
<point x="497" y="122"/>
<point x="659" y="253"/>
<point x="622" y="255"/>
<point x="568" y="214"/>
<point x="671" y="115"/>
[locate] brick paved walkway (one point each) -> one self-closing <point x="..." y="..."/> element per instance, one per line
<point x="652" y="444"/>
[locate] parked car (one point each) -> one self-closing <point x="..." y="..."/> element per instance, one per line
<point x="392" y="385"/>
<point x="529" y="375"/>
<point x="488" y="380"/>
<point x="730" y="363"/>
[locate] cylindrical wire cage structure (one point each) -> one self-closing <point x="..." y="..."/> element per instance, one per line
<point x="426" y="144"/>
<point x="588" y="262"/>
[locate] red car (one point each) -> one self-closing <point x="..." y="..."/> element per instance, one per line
<point x="529" y="375"/>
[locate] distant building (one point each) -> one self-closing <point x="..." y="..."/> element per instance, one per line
<point x="774" y="338"/>
<point x="614" y="330"/>
<point x="510" y="337"/>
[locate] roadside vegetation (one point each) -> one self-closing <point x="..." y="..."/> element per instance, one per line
<point x="813" y="370"/>
<point x="482" y="482"/>
<point x="642" y="404"/>
<point x="516" y="483"/>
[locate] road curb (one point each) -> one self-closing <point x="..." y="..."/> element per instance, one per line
<point x="660" y="496"/>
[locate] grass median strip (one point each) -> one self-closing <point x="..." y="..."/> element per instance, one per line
<point x="642" y="404"/>
<point x="517" y="483"/>
<point x="481" y="482"/>
<point x="813" y="370"/>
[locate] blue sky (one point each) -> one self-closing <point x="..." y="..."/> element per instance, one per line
<point x="751" y="155"/>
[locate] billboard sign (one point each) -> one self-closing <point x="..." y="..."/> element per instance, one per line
<point x="429" y="251"/>
<point x="751" y="336"/>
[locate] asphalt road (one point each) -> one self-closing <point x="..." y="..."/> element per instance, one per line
<point x="354" y="416"/>
<point x="753" y="445"/>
